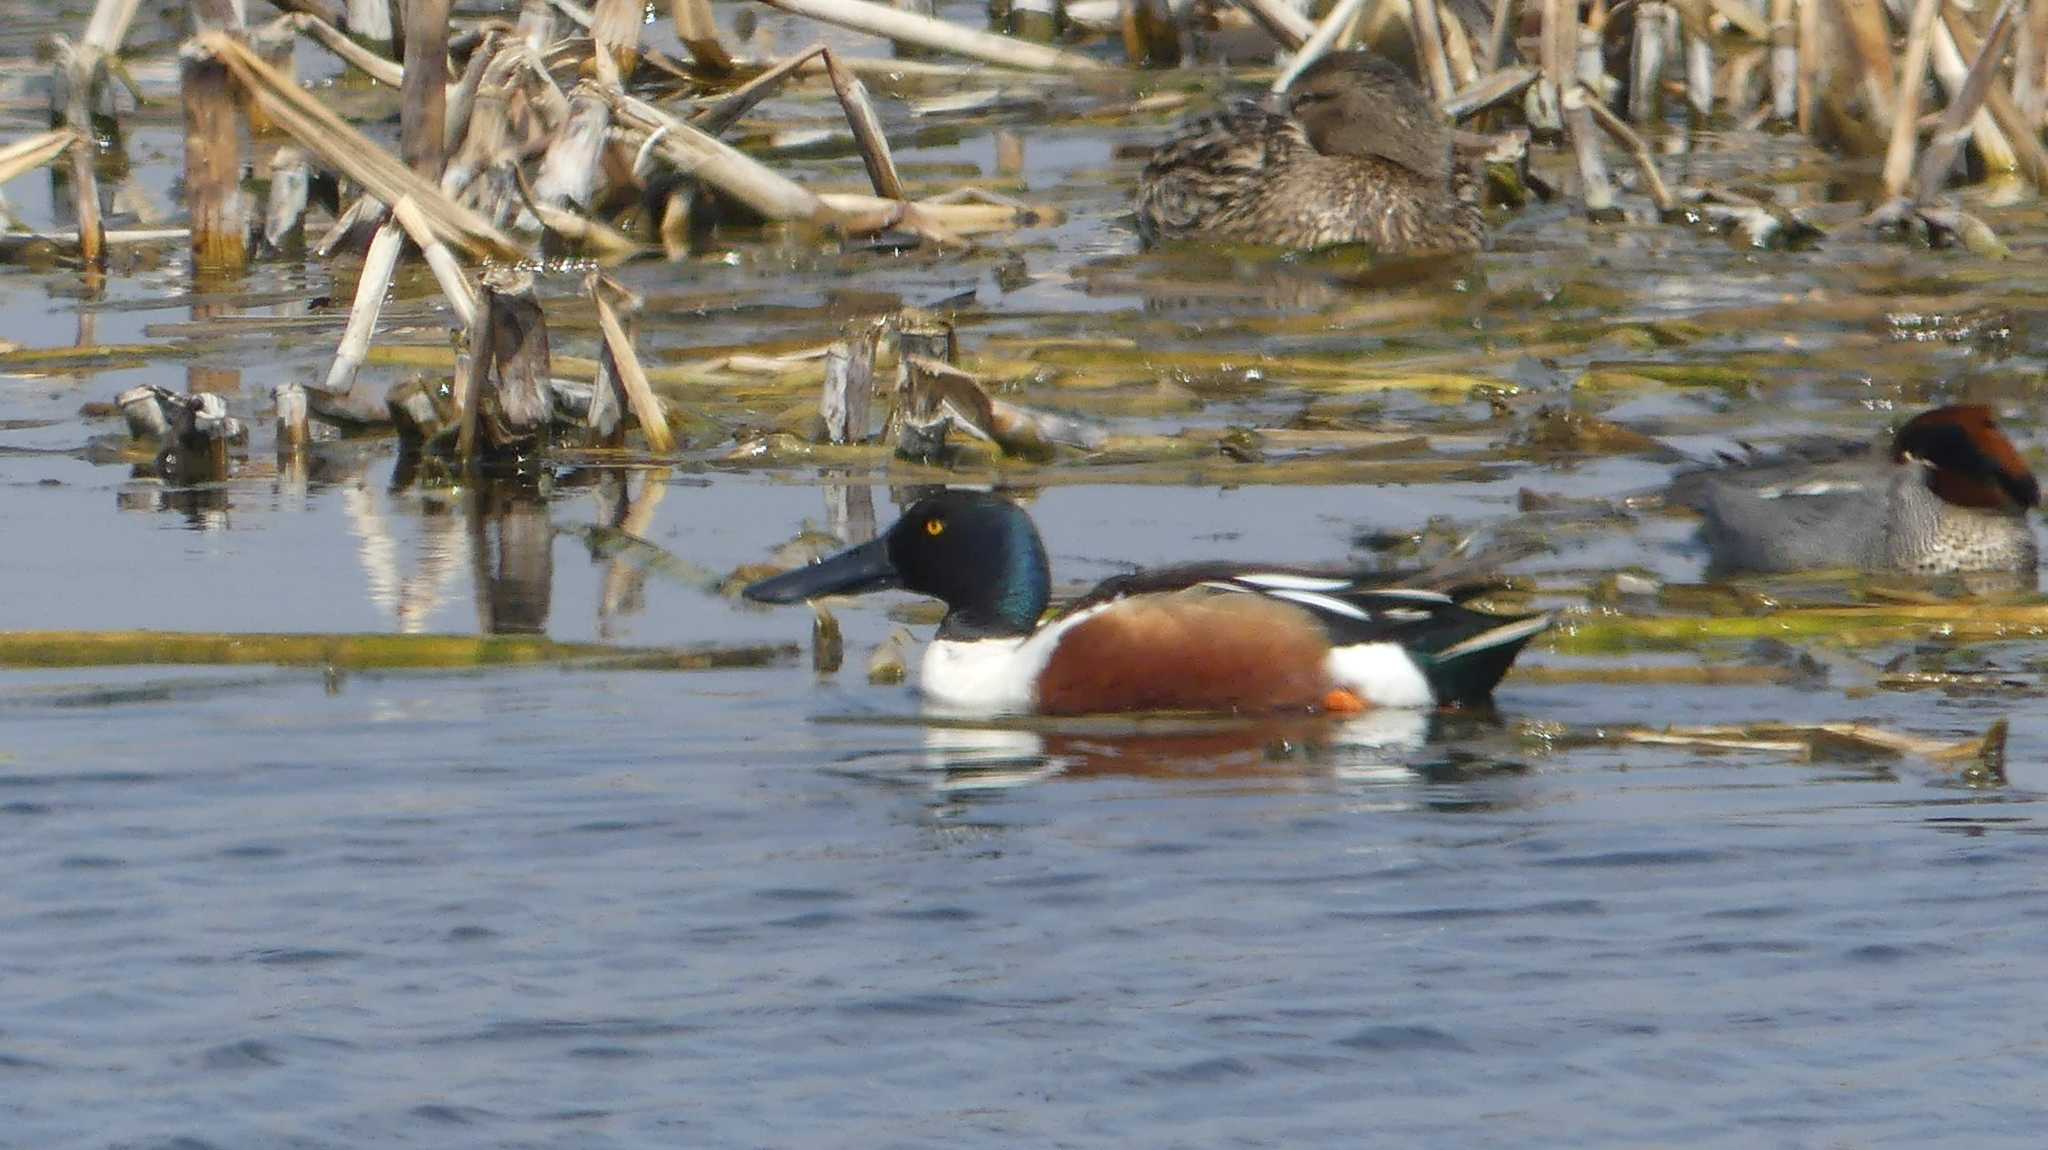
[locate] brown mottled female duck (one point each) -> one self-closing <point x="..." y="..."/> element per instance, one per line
<point x="1359" y="156"/>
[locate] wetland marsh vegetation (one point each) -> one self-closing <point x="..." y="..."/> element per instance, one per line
<point x="382" y="767"/>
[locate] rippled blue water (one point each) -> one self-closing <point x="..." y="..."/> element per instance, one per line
<point x="616" y="909"/>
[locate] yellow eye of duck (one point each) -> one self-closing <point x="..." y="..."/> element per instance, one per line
<point x="934" y="527"/>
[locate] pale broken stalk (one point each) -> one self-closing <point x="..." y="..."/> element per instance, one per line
<point x="447" y="271"/>
<point x="1965" y="115"/>
<point x="1322" y="40"/>
<point x="1898" y="158"/>
<point x="371" y="285"/>
<point x="632" y="377"/>
<point x="867" y="129"/>
<point x="733" y="172"/>
<point x="927" y="32"/>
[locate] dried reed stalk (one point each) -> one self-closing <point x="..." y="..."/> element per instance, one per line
<point x="320" y="131"/>
<point x="1457" y="47"/>
<point x="379" y="68"/>
<point x="1898" y="158"/>
<point x="1810" y="47"/>
<point x="441" y="261"/>
<point x="1965" y="116"/>
<point x="26" y="155"/>
<point x="370" y="21"/>
<point x="1646" y="164"/>
<point x="109" y="25"/>
<point x="1504" y="84"/>
<point x="1325" y="37"/>
<point x="1646" y="60"/>
<point x="423" y="114"/>
<point x="1863" y="26"/>
<point x="372" y="284"/>
<point x="698" y="31"/>
<point x="926" y="32"/>
<point x="716" y="118"/>
<point x="631" y="376"/>
<point x="1281" y="20"/>
<point x="1784" y="61"/>
<point x="2021" y="132"/>
<point x="213" y="163"/>
<point x="1953" y="72"/>
<point x="867" y="129"/>
<point x="717" y="163"/>
<point x="1427" y="31"/>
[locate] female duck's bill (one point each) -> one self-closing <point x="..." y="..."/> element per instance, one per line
<point x="1209" y="637"/>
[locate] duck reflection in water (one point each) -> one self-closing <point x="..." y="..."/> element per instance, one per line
<point x="1376" y="745"/>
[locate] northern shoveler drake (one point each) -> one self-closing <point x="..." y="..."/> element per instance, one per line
<point x="1210" y="637"/>
<point x="1949" y="495"/>
<point x="1359" y="155"/>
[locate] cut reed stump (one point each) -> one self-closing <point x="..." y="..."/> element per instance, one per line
<point x="505" y="399"/>
<point x="213" y="149"/>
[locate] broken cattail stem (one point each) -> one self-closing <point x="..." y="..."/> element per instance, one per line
<point x="291" y="180"/>
<point x="1810" y="49"/>
<point x="2020" y="132"/>
<point x="382" y="69"/>
<point x="848" y="398"/>
<point x="1646" y="164"/>
<point x="2030" y="69"/>
<point x="716" y="118"/>
<point x="1579" y="126"/>
<point x="371" y="285"/>
<point x="726" y="168"/>
<point x="1965" y="115"/>
<point x="632" y="378"/>
<point x="615" y="31"/>
<point x="1150" y="33"/>
<point x="509" y="403"/>
<point x="423" y="114"/>
<point x="213" y="166"/>
<point x="293" y="428"/>
<point x="1458" y="48"/>
<point x="1898" y="158"/>
<point x="1554" y="61"/>
<point x="879" y="20"/>
<point x="1500" y="37"/>
<point x="1505" y="84"/>
<point x="108" y="26"/>
<point x="1281" y="20"/>
<point x="1694" y="22"/>
<point x="1321" y="41"/>
<point x="320" y="131"/>
<point x="1863" y="26"/>
<point x="867" y="129"/>
<point x="1646" y="61"/>
<point x="698" y="31"/>
<point x="1949" y="68"/>
<point x="85" y="199"/>
<point x="1429" y="46"/>
<point x="1784" y="61"/>
<point x="35" y="151"/>
<point x="569" y="171"/>
<point x="77" y="71"/>
<point x="1036" y="21"/>
<point x="463" y="99"/>
<point x="369" y="22"/>
<point x="442" y="262"/>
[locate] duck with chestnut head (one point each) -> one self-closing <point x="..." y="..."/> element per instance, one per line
<point x="1948" y="494"/>
<point x="1354" y="153"/>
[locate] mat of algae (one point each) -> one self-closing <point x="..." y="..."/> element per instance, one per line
<point x="533" y="889"/>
